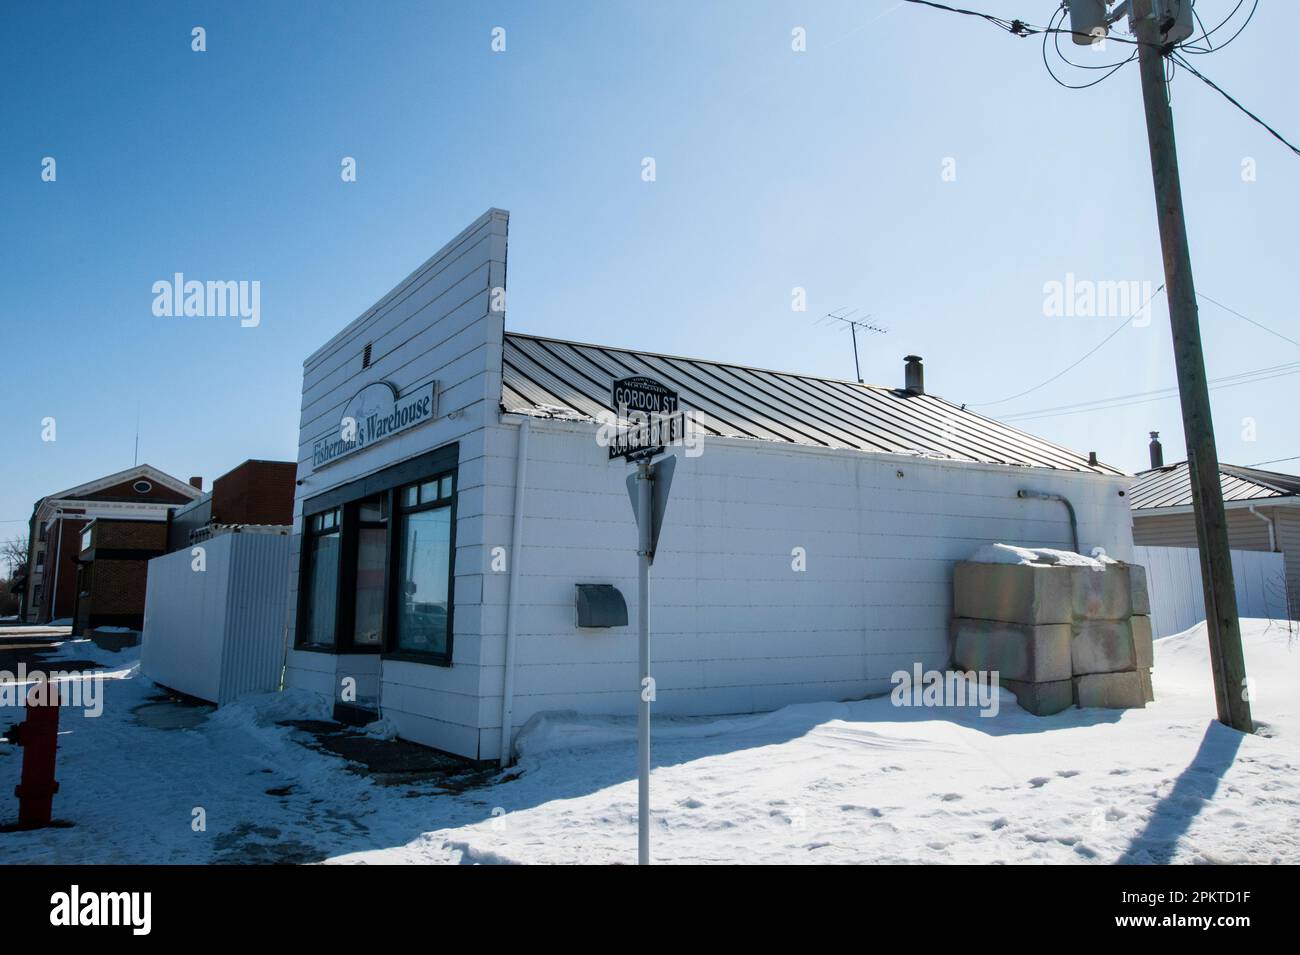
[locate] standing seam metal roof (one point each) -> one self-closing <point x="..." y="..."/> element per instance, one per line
<point x="1170" y="486"/>
<point x="551" y="377"/>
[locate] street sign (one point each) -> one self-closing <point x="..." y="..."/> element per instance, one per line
<point x="650" y="417"/>
<point x="644" y="396"/>
<point x="661" y="477"/>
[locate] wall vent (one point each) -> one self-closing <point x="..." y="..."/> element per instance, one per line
<point x="365" y="356"/>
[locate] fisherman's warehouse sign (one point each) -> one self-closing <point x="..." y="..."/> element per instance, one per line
<point x="375" y="413"/>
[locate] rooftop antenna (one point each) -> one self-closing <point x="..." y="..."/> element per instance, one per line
<point x="854" y="324"/>
<point x="135" y="459"/>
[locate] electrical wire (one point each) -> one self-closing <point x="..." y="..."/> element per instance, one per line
<point x="1160" y="394"/>
<point x="1086" y="355"/>
<point x="1274" y="461"/>
<point x="1226" y="95"/>
<point x="1260" y="325"/>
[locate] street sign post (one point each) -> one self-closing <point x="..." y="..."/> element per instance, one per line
<point x="648" y="488"/>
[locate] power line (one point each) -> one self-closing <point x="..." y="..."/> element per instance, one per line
<point x="1182" y="61"/>
<point x="1158" y="394"/>
<point x="1274" y="461"/>
<point x="1088" y="354"/>
<point x="1251" y="320"/>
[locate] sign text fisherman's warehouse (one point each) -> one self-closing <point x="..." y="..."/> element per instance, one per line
<point x="374" y="414"/>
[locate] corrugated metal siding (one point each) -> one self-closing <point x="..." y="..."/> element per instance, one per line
<point x="253" y="653"/>
<point x="544" y="376"/>
<point x="219" y="633"/>
<point x="1178" y="597"/>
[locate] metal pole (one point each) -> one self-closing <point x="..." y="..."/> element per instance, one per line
<point x="643" y="627"/>
<point x="1226" y="656"/>
<point x="853" y="328"/>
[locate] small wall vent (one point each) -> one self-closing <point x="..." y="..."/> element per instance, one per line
<point x="365" y="355"/>
<point x="601" y="605"/>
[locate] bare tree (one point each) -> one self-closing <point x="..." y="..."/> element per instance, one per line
<point x="14" y="553"/>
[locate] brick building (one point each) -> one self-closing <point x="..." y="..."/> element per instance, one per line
<point x="112" y="569"/>
<point x="141" y="493"/>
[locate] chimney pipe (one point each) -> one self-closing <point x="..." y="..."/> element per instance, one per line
<point x="1157" y="452"/>
<point x="196" y="483"/>
<point x="913" y="375"/>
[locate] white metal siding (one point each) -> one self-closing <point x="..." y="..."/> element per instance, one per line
<point x="435" y="325"/>
<point x="734" y="628"/>
<point x="217" y="633"/>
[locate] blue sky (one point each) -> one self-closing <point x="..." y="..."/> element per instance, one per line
<point x="775" y="169"/>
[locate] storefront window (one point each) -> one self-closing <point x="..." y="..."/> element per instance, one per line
<point x="376" y="565"/>
<point x="425" y="579"/>
<point x="321" y="606"/>
<point x="372" y="550"/>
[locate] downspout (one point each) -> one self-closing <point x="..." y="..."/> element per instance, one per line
<point x="512" y="599"/>
<point x="1045" y="496"/>
<point x="1272" y="531"/>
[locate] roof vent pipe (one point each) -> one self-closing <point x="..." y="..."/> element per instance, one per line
<point x="1157" y="451"/>
<point x="913" y="375"/>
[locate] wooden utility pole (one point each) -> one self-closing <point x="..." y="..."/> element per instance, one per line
<point x="1226" y="657"/>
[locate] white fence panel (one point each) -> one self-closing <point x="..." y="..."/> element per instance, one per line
<point x="1178" y="600"/>
<point x="218" y="633"/>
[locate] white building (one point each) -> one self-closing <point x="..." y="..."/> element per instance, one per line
<point x="806" y="554"/>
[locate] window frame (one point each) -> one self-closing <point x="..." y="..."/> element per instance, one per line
<point x="432" y="466"/>
<point x="397" y="512"/>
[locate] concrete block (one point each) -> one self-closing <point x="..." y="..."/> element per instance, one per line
<point x="1042" y="699"/>
<point x="1102" y="594"/>
<point x="1139" y="595"/>
<point x="1017" y="652"/>
<point x="1103" y="646"/>
<point x="1143" y="642"/>
<point x="1144" y="677"/>
<point x="1111" y="691"/>
<point x="1013" y="593"/>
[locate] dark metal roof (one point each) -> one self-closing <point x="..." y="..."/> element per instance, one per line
<point x="1170" y="486"/>
<point x="553" y="378"/>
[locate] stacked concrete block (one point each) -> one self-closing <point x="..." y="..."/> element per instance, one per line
<point x="1058" y="635"/>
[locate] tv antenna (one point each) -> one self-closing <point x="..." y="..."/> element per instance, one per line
<point x="839" y="315"/>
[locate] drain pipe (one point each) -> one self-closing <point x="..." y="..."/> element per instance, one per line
<point x="512" y="600"/>
<point x="1272" y="531"/>
<point x="1045" y="496"/>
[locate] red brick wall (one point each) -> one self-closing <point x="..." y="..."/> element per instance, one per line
<point x="59" y="602"/>
<point x="256" y="492"/>
<point x="127" y="492"/>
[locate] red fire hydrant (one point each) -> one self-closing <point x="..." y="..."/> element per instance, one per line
<point x="38" y="736"/>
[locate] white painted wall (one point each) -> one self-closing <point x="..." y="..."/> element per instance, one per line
<point x="734" y="628"/>
<point x="437" y="324"/>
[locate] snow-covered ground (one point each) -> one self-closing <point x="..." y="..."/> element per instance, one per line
<point x="833" y="782"/>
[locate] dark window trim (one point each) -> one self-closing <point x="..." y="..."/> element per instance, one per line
<point x="424" y="467"/>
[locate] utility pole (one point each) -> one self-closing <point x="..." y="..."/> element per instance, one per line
<point x="1226" y="656"/>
